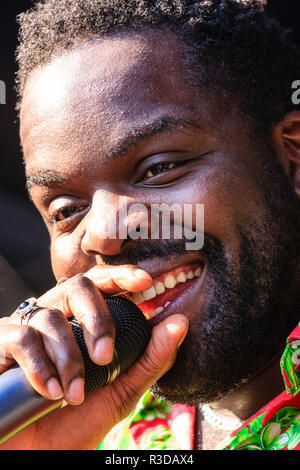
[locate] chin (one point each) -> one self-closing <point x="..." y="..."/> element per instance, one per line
<point x="191" y="383"/>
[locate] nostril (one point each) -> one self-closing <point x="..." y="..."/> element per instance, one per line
<point x="90" y="253"/>
<point x="94" y="246"/>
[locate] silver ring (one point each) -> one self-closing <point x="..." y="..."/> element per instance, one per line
<point x="27" y="308"/>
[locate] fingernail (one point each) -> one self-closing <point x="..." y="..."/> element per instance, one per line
<point x="76" y="391"/>
<point x="140" y="274"/>
<point x="176" y="327"/>
<point x="54" y="389"/>
<point x="104" y="350"/>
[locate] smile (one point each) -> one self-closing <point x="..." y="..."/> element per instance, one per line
<point x="166" y="288"/>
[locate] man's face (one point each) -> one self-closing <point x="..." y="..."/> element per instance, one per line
<point x="116" y="118"/>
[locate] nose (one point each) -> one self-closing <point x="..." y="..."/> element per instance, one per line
<point x="108" y="225"/>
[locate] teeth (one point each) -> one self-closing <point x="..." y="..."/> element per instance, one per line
<point x="159" y="287"/>
<point x="137" y="298"/>
<point x="157" y="311"/>
<point x="149" y="293"/>
<point x="181" y="277"/>
<point x="198" y="272"/>
<point x="170" y="282"/>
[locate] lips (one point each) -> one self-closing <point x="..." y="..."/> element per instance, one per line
<point x="166" y="288"/>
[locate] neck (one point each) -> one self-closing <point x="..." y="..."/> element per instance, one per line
<point x="252" y="396"/>
<point x="236" y="408"/>
<point x="266" y="385"/>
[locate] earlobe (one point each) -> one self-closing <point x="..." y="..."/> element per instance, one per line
<point x="286" y="137"/>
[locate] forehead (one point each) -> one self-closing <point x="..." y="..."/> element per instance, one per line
<point x="87" y="98"/>
<point x="106" y="70"/>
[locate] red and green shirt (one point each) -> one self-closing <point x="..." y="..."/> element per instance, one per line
<point x="157" y="425"/>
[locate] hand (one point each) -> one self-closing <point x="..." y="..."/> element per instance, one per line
<point x="48" y="353"/>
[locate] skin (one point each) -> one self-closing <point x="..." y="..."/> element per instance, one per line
<point x="74" y="118"/>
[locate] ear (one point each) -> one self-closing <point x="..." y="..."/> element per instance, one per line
<point x="286" y="137"/>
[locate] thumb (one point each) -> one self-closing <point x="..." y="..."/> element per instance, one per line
<point x="159" y="356"/>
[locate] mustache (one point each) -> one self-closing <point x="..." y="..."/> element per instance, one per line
<point x="135" y="251"/>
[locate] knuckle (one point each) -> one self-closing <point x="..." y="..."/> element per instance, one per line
<point x="54" y="318"/>
<point x="103" y="319"/>
<point x="26" y="337"/>
<point x="100" y="320"/>
<point x="152" y="362"/>
<point x="81" y="282"/>
<point x="39" y="368"/>
<point x="70" y="359"/>
<point x="27" y="349"/>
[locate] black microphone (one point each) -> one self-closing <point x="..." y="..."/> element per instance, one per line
<point x="21" y="405"/>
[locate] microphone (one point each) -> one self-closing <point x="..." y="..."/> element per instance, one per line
<point x="21" y="405"/>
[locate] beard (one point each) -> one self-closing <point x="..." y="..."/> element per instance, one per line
<point x="241" y="330"/>
<point x="250" y="307"/>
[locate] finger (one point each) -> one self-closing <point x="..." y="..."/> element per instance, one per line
<point x="23" y="344"/>
<point x="83" y="300"/>
<point x="117" y="279"/>
<point x="158" y="358"/>
<point x="161" y="351"/>
<point x="6" y="360"/>
<point x="61" y="347"/>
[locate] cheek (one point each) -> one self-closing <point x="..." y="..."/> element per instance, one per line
<point x="220" y="198"/>
<point x="232" y="202"/>
<point x="68" y="258"/>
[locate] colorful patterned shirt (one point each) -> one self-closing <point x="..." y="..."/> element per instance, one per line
<point x="157" y="425"/>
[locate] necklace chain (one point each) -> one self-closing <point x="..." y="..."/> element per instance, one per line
<point x="217" y="422"/>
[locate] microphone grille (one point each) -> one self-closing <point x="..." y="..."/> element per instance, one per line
<point x="132" y="336"/>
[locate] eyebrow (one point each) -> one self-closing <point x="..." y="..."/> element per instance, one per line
<point x="44" y="178"/>
<point x="163" y="125"/>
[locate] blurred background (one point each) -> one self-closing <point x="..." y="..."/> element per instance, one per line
<point x="23" y="239"/>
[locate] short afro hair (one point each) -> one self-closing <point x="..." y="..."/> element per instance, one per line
<point x="232" y="45"/>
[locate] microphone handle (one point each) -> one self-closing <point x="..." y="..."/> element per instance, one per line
<point x="21" y="405"/>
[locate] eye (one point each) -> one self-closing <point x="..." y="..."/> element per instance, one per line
<point x="67" y="212"/>
<point x="158" y="169"/>
<point x="65" y="216"/>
